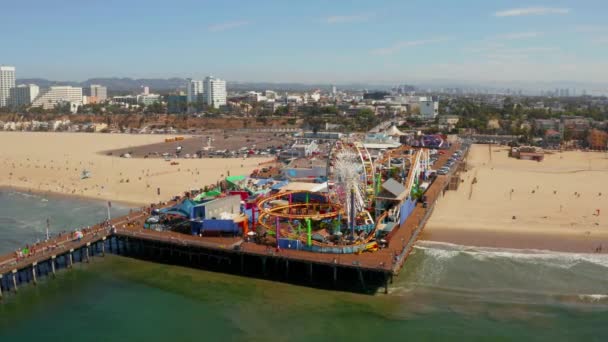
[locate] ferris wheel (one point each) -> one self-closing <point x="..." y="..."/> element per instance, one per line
<point x="351" y="178"/>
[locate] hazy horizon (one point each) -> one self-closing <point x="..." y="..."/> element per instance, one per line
<point x="384" y="42"/>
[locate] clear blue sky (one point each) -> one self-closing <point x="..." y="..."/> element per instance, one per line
<point x="334" y="41"/>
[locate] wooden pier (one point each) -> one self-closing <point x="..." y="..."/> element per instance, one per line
<point x="366" y="272"/>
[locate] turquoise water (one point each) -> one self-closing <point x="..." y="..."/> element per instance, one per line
<point x="446" y="292"/>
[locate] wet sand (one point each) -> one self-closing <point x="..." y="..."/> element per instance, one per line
<point x="504" y="202"/>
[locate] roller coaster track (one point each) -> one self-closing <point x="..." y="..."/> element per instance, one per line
<point x="414" y="172"/>
<point x="368" y="166"/>
<point x="277" y="212"/>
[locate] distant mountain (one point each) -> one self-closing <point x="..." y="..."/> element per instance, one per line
<point x="135" y="85"/>
<point x="158" y="85"/>
<point x="117" y="85"/>
<point x="43" y="83"/>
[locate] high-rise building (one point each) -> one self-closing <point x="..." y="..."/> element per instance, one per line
<point x="99" y="92"/>
<point x="7" y="82"/>
<point x="177" y="104"/>
<point x="146" y="90"/>
<point x="60" y="95"/>
<point x="214" y="92"/>
<point x="429" y="108"/>
<point x="195" y="91"/>
<point x="23" y="94"/>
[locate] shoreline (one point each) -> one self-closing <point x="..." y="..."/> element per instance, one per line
<point x="546" y="240"/>
<point x="50" y="193"/>
<point x="550" y="241"/>
<point x="45" y="193"/>
<point x="558" y="204"/>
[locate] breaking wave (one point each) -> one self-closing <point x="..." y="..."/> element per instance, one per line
<point x="444" y="251"/>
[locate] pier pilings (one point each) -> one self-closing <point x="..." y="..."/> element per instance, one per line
<point x="34" y="280"/>
<point x="231" y="259"/>
<point x="53" y="258"/>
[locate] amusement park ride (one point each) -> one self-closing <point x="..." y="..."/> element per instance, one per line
<point x="348" y="216"/>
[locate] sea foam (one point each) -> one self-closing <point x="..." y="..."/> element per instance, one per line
<point x="445" y="251"/>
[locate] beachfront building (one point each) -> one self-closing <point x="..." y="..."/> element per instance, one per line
<point x="304" y="148"/>
<point x="125" y="100"/>
<point x="23" y="94"/>
<point x="448" y="122"/>
<point x="100" y="93"/>
<point x="214" y="92"/>
<point x="148" y="99"/>
<point x="177" y="104"/>
<point x="598" y="140"/>
<point x="7" y="82"/>
<point x="195" y="91"/>
<point x="58" y="95"/>
<point x="429" y="108"/>
<point x="527" y="153"/>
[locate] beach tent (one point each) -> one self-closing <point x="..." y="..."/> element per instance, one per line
<point x="182" y="209"/>
<point x="211" y="193"/>
<point x="279" y="185"/>
<point x="393" y="131"/>
<point x="234" y="180"/>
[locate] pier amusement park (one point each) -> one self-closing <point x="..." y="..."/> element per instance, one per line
<point x="344" y="217"/>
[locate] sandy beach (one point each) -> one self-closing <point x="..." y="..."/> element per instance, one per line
<point x="505" y="202"/>
<point x="53" y="162"/>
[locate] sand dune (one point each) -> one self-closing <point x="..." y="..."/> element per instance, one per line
<point x="517" y="203"/>
<point x="54" y="162"/>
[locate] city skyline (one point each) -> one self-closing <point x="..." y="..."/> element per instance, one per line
<point x="269" y="41"/>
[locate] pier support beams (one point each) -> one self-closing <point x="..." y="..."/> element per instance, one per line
<point x="34" y="273"/>
<point x="70" y="258"/>
<point x="53" y="265"/>
<point x="15" y="281"/>
<point x="310" y="272"/>
<point x="87" y="252"/>
<point x="335" y="278"/>
<point x="361" y="279"/>
<point x="264" y="266"/>
<point x="0" y="286"/>
<point x="242" y="263"/>
<point x="386" y="276"/>
<point x="286" y="268"/>
<point x="103" y="247"/>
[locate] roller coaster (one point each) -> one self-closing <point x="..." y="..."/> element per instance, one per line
<point x="340" y="220"/>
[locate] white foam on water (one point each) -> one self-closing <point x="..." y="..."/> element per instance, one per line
<point x="592" y="297"/>
<point x="440" y="254"/>
<point x="446" y="251"/>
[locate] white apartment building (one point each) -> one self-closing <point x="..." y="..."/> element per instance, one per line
<point x="7" y="82"/>
<point x="148" y="99"/>
<point x="214" y="94"/>
<point x="195" y="91"/>
<point x="99" y="92"/>
<point x="429" y="108"/>
<point x="24" y="94"/>
<point x="59" y="95"/>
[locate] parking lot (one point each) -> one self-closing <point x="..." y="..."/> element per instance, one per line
<point x="212" y="145"/>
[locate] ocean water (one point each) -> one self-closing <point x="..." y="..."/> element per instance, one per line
<point x="446" y="292"/>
